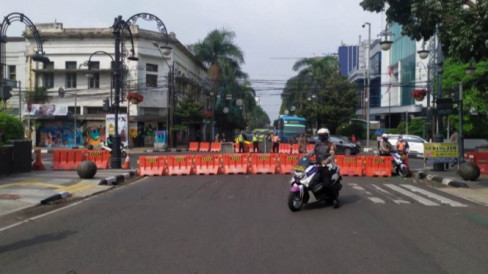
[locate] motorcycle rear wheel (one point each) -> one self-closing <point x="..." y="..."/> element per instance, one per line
<point x="295" y="202"/>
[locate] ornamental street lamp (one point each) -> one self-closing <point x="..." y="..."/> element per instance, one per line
<point x="90" y="75"/>
<point x="119" y="27"/>
<point x="368" y="81"/>
<point x="39" y="52"/>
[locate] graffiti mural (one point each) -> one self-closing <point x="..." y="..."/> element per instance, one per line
<point x="59" y="134"/>
<point x="95" y="135"/>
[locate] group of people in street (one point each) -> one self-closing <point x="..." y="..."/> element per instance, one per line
<point x="386" y="148"/>
<point x="273" y="138"/>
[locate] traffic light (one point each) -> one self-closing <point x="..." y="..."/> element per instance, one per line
<point x="106" y="105"/>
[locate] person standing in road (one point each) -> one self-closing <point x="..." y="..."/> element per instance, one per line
<point x="276" y="143"/>
<point x="255" y="142"/>
<point x="217" y="138"/>
<point x="353" y="138"/>
<point x="385" y="146"/>
<point x="240" y="140"/>
<point x="302" y="143"/>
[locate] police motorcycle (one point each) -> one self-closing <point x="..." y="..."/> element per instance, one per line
<point x="301" y="193"/>
<point x="399" y="163"/>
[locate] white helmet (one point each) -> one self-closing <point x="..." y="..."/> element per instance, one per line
<point x="323" y="131"/>
<point x="384" y="135"/>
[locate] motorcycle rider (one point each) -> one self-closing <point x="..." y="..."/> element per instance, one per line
<point x="324" y="151"/>
<point x="402" y="146"/>
<point x="385" y="147"/>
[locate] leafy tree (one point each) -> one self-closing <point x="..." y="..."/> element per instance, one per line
<point x="189" y="111"/>
<point x="335" y="97"/>
<point x="10" y="128"/>
<point x="475" y="95"/>
<point x="461" y="24"/>
<point x="37" y="96"/>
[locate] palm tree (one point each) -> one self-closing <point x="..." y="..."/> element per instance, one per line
<point x="217" y="51"/>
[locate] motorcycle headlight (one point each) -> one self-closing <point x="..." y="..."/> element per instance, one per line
<point x="299" y="175"/>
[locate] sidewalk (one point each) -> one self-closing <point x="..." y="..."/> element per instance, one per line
<point x="23" y="190"/>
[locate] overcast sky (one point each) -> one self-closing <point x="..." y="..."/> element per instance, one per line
<point x="273" y="34"/>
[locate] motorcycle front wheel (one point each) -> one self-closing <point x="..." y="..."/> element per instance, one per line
<point x="295" y="202"/>
<point x="403" y="171"/>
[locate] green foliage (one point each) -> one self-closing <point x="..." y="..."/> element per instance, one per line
<point x="189" y="110"/>
<point x="348" y="129"/>
<point x="10" y="128"/>
<point x="332" y="97"/>
<point x="37" y="96"/>
<point x="462" y="30"/>
<point x="415" y="127"/>
<point x="475" y="95"/>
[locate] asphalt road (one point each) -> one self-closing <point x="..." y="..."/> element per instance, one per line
<point x="241" y="224"/>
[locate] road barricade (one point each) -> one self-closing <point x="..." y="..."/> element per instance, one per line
<point x="67" y="159"/>
<point x="264" y="163"/>
<point x="235" y="163"/>
<point x="193" y="146"/>
<point x="99" y="157"/>
<point x="179" y="164"/>
<point x="207" y="164"/>
<point x="287" y="162"/>
<point x="350" y="165"/>
<point x="310" y="147"/>
<point x="478" y="158"/>
<point x="294" y="148"/>
<point x="151" y="165"/>
<point x="215" y="147"/>
<point x="285" y="148"/>
<point x="204" y="147"/>
<point x="377" y="166"/>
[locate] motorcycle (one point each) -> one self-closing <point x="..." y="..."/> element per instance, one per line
<point x="399" y="163"/>
<point x="301" y="193"/>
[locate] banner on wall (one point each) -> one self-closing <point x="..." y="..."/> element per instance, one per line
<point x="122" y="126"/>
<point x="160" y="138"/>
<point x="45" y="110"/>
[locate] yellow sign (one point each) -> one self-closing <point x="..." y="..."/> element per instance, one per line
<point x="263" y="157"/>
<point x="151" y="160"/>
<point x="440" y="150"/>
<point x="292" y="158"/>
<point x="95" y="153"/>
<point x="378" y="160"/>
<point x="207" y="159"/>
<point x="349" y="159"/>
<point x="180" y="159"/>
<point x="234" y="158"/>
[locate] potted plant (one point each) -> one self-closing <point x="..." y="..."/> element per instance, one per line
<point x="419" y="94"/>
<point x="135" y="97"/>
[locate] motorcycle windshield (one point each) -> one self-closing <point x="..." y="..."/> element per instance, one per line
<point x="302" y="164"/>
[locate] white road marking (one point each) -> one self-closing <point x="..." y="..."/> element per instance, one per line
<point x="429" y="194"/>
<point x="376" y="200"/>
<point x="391" y="196"/>
<point x="411" y="195"/>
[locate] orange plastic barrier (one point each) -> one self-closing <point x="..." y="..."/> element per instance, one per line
<point x="99" y="157"/>
<point x="151" y="165"/>
<point x="215" y="147"/>
<point x="193" y="146"/>
<point x="207" y="164"/>
<point x="350" y="165"/>
<point x="235" y="163"/>
<point x="67" y="159"/>
<point x="287" y="162"/>
<point x="310" y="147"/>
<point x="264" y="163"/>
<point x="284" y="148"/>
<point x="479" y="158"/>
<point x="377" y="166"/>
<point x="294" y="148"/>
<point x="179" y="164"/>
<point x="204" y="147"/>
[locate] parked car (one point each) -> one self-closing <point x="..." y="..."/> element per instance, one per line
<point x="343" y="145"/>
<point x="415" y="143"/>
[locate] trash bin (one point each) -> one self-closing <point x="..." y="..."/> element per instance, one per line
<point x="6" y="159"/>
<point x="438" y="138"/>
<point x="227" y="147"/>
<point x="22" y="155"/>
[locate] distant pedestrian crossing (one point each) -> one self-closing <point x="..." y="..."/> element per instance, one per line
<point x="403" y="194"/>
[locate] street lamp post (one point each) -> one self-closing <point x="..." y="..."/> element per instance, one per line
<point x="118" y="27"/>
<point x="89" y="74"/>
<point x="39" y="53"/>
<point x="368" y="82"/>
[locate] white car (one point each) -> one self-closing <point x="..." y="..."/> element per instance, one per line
<point x="415" y="143"/>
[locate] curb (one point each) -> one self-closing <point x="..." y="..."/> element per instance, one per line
<point x="115" y="180"/>
<point x="442" y="180"/>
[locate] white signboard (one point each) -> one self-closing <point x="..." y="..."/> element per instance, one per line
<point x="122" y="126"/>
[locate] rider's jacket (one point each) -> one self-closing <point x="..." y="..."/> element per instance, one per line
<point x="322" y="150"/>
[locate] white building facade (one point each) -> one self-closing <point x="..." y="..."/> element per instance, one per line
<point x="159" y="78"/>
